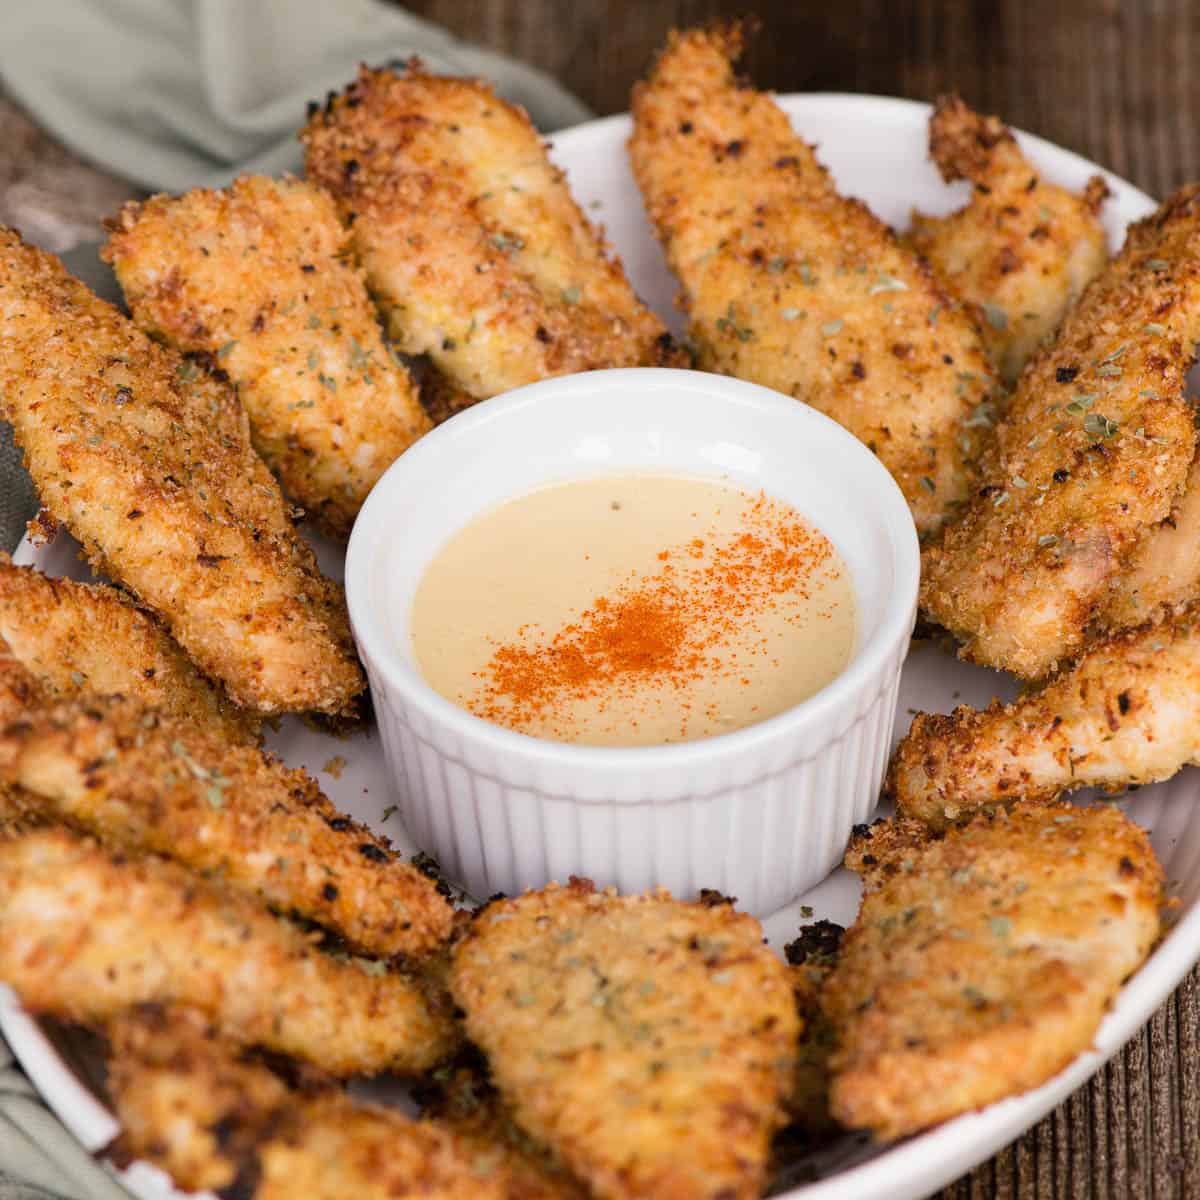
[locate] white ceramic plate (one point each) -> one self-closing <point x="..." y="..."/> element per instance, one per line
<point x="876" y="149"/>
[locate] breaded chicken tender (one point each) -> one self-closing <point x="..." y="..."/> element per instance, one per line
<point x="982" y="964"/>
<point x="1022" y="249"/>
<point x="142" y="780"/>
<point x="149" y="464"/>
<point x="209" y="1116"/>
<point x="188" y="1101"/>
<point x="257" y="279"/>
<point x="1128" y="712"/>
<point x="76" y="637"/>
<point x="647" y="1042"/>
<point x="1093" y="452"/>
<point x="787" y="283"/>
<point x="1163" y="575"/>
<point x="86" y="933"/>
<point x="470" y="239"/>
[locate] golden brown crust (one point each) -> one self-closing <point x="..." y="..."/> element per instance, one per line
<point x="1093" y="450"/>
<point x="87" y="933"/>
<point x="188" y="1102"/>
<point x="151" y="468"/>
<point x="649" y="1043"/>
<point x="76" y="637"/>
<point x="1128" y="712"/>
<point x="981" y="964"/>
<point x="791" y="285"/>
<point x="1022" y="250"/>
<point x="201" y="1110"/>
<point x="142" y="780"/>
<point x="469" y="236"/>
<point x="256" y="278"/>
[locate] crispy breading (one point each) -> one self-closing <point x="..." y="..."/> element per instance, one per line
<point x="462" y="1098"/>
<point x="981" y="964"/>
<point x="257" y="279"/>
<point x="197" y="1107"/>
<point x="86" y="933"/>
<point x="471" y="242"/>
<point x="647" y="1042"/>
<point x="1021" y="250"/>
<point x="1093" y="451"/>
<point x="142" y="780"/>
<point x="787" y="283"/>
<point x="187" y="1101"/>
<point x="150" y="466"/>
<point x="1163" y="574"/>
<point x="1128" y="712"/>
<point x="76" y="637"/>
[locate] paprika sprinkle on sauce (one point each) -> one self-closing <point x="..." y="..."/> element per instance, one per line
<point x="634" y="610"/>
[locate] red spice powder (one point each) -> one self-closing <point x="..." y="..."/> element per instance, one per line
<point x="663" y="629"/>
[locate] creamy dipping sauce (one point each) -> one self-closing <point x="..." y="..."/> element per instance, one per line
<point x="634" y="610"/>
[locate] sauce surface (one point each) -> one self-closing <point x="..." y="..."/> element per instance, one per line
<point x="634" y="610"/>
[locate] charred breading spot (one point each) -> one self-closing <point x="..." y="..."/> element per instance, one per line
<point x="981" y="964"/>
<point x="151" y="782"/>
<point x="469" y="237"/>
<point x="1084" y="471"/>
<point x="1022" y="250"/>
<point x="179" y="452"/>
<point x="256" y="279"/>
<point x="1126" y="713"/>
<point x="647" y="1042"/>
<point x="785" y="280"/>
<point x="127" y="930"/>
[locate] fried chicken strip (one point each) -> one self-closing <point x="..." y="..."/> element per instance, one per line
<point x="1163" y="575"/>
<point x="86" y="933"/>
<point x="142" y="780"/>
<point x="256" y="278"/>
<point x="981" y="964"/>
<point x="1093" y="452"/>
<point x="76" y="637"/>
<point x="470" y="239"/>
<point x="1128" y="712"/>
<point x="1022" y="250"/>
<point x="149" y="464"/>
<point x="201" y="1110"/>
<point x="647" y="1042"/>
<point x="787" y="283"/>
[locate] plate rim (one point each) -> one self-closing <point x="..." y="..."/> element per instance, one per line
<point x="905" y="1171"/>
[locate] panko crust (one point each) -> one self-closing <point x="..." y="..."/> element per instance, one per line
<point x="1128" y="712"/>
<point x="1092" y="452"/>
<point x="982" y="963"/>
<point x="258" y="279"/>
<point x="649" y="1043"/>
<point x="88" y="637"/>
<point x="1022" y="249"/>
<point x="142" y="780"/>
<point x="149" y="465"/>
<point x="471" y="241"/>
<point x="87" y="933"/>
<point x="210" y="1116"/>
<point x="787" y="283"/>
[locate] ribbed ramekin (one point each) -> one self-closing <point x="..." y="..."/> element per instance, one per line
<point x="762" y="813"/>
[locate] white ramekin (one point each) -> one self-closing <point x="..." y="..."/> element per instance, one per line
<point x="762" y="813"/>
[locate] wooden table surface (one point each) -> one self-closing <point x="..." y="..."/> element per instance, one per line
<point x="1115" y="82"/>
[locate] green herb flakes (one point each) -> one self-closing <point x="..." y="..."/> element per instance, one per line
<point x="777" y="265"/>
<point x="887" y="283"/>
<point x="573" y="294"/>
<point x="928" y="484"/>
<point x="1154" y="329"/>
<point x="227" y="349"/>
<point x="1157" y="264"/>
<point x="793" y="314"/>
<point x="830" y="328"/>
<point x="1048" y="539"/>
<point x="1099" y="425"/>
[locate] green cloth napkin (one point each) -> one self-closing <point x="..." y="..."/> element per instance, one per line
<point x="173" y="94"/>
<point x="179" y="93"/>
